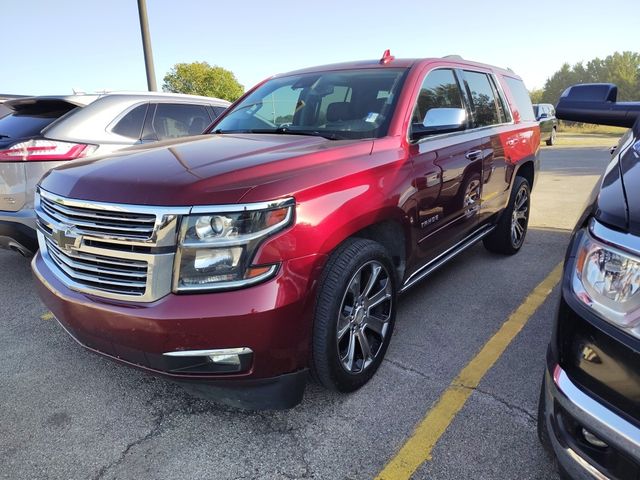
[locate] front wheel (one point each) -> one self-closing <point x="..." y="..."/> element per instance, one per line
<point x="508" y="236"/>
<point x="354" y="315"/>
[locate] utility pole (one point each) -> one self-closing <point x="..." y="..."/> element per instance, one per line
<point x="146" y="45"/>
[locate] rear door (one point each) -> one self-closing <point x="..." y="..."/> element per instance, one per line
<point x="492" y="120"/>
<point x="27" y="118"/>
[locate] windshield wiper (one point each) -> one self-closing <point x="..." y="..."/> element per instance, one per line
<point x="284" y="131"/>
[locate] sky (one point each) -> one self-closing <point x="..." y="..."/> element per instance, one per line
<point x="54" y="46"/>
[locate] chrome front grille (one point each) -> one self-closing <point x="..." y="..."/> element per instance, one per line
<point x="99" y="222"/>
<point x="111" y="250"/>
<point x="107" y="274"/>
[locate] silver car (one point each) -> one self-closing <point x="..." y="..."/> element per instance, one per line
<point x="40" y="133"/>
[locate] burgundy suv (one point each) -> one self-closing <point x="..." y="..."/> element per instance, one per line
<point x="236" y="262"/>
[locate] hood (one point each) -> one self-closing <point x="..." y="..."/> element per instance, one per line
<point x="206" y="169"/>
<point x="618" y="201"/>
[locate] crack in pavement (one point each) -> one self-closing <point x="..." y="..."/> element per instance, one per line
<point x="524" y="412"/>
<point x="408" y="369"/>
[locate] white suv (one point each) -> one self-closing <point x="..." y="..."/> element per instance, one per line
<point x="41" y="133"/>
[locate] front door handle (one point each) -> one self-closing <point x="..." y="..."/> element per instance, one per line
<point x="473" y="155"/>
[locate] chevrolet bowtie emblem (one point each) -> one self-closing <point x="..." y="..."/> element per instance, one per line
<point x="66" y="238"/>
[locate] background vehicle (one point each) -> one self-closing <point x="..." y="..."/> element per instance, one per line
<point x="41" y="133"/>
<point x="589" y="414"/>
<point x="546" y="115"/>
<point x="278" y="244"/>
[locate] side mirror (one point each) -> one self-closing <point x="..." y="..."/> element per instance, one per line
<point x="543" y="116"/>
<point x="596" y="103"/>
<point x="442" y="120"/>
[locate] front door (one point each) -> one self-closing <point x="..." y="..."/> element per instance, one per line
<point x="447" y="171"/>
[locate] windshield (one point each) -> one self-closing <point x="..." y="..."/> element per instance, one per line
<point x="335" y="104"/>
<point x="29" y="120"/>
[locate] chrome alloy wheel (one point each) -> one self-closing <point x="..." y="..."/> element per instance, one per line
<point x="472" y="197"/>
<point x="520" y="216"/>
<point x="363" y="319"/>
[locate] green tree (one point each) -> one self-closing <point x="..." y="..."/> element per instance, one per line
<point x="200" y="78"/>
<point x="623" y="69"/>
<point x="536" y="95"/>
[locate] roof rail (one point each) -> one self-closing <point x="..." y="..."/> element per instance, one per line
<point x="453" y="57"/>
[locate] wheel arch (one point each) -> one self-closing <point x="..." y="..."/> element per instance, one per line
<point x="391" y="235"/>
<point x="527" y="171"/>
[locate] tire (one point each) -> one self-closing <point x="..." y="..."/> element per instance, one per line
<point x="346" y="323"/>
<point x="552" y="139"/>
<point x="507" y="238"/>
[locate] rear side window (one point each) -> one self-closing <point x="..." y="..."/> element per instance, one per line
<point x="439" y="90"/>
<point x="521" y="98"/>
<point x="28" y="120"/>
<point x="217" y="111"/>
<point x="173" y="120"/>
<point x="483" y="99"/>
<point x="131" y="124"/>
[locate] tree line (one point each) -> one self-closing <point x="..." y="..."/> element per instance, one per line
<point x="623" y="69"/>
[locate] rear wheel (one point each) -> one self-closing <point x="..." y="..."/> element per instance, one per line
<point x="354" y="315"/>
<point x="508" y="236"/>
<point x="552" y="139"/>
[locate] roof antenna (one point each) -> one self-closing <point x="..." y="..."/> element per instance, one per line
<point x="386" y="57"/>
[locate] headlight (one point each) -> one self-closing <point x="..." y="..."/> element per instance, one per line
<point x="216" y="248"/>
<point x="607" y="279"/>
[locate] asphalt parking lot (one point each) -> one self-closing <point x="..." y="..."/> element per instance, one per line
<point x="68" y="414"/>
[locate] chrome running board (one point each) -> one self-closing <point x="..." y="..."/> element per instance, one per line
<point x="445" y="256"/>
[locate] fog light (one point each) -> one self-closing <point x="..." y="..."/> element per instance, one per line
<point x="222" y="356"/>
<point x="592" y="439"/>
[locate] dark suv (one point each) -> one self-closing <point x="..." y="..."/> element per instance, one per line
<point x="279" y="243"/>
<point x="589" y="413"/>
<point x="546" y="115"/>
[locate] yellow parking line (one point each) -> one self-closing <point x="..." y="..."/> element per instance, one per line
<point x="46" y="316"/>
<point x="418" y="447"/>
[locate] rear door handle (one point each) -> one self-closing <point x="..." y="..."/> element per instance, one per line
<point x="473" y="155"/>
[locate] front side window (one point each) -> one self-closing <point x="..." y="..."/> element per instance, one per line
<point x="347" y="104"/>
<point x="483" y="100"/>
<point x="439" y="90"/>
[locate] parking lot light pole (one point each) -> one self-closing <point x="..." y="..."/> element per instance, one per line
<point x="146" y="45"/>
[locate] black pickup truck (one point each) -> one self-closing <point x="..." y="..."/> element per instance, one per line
<point x="589" y="411"/>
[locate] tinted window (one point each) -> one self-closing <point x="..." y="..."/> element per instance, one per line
<point x="218" y="110"/>
<point x="29" y="120"/>
<point x="503" y="109"/>
<point x="131" y="124"/>
<point x="536" y="110"/>
<point x="178" y="120"/>
<point x="439" y="90"/>
<point x="334" y="104"/>
<point x="521" y="98"/>
<point x="483" y="99"/>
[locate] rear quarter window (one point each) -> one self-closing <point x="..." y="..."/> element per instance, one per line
<point x="130" y="125"/>
<point x="521" y="98"/>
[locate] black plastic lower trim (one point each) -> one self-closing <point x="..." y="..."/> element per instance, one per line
<point x="276" y="393"/>
<point x="21" y="233"/>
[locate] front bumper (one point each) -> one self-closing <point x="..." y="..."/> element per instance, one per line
<point x="568" y="409"/>
<point x="18" y="231"/>
<point x="271" y="319"/>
